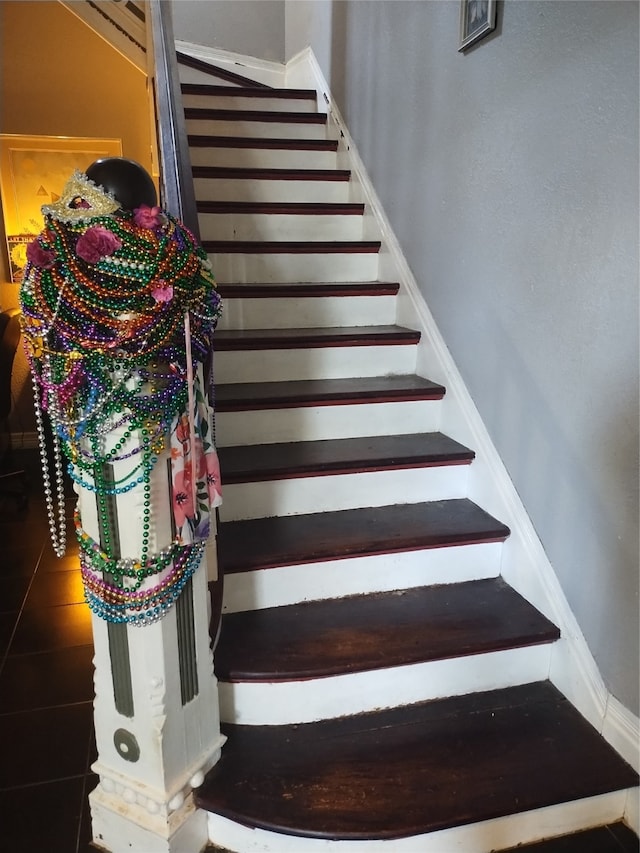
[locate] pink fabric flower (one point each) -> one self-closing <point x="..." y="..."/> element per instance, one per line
<point x="40" y="257"/>
<point x="97" y="242"/>
<point x="162" y="291"/>
<point x="183" y="507"/>
<point x="147" y="217"/>
<point x="214" y="486"/>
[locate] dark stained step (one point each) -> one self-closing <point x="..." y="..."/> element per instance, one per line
<point x="241" y="290"/>
<point x="292" y="247"/>
<point x="265" y="543"/>
<point x="248" y="92"/>
<point x="203" y="141"/>
<point x="269" y="116"/>
<point x="360" y="633"/>
<point x="291" y="208"/>
<point x="416" y="769"/>
<point x="259" y="462"/>
<point x="614" y="838"/>
<point x="251" y="174"/>
<point x="338" y="336"/>
<point x="220" y="73"/>
<point x="250" y="396"/>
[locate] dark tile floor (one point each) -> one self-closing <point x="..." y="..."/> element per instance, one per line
<point x="46" y="684"/>
<point x="46" y="692"/>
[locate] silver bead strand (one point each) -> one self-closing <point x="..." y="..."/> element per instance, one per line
<point x="58" y="531"/>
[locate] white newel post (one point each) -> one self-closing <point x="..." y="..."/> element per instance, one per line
<point x="118" y="307"/>
<point x="156" y="702"/>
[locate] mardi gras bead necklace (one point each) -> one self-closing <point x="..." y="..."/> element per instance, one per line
<point x="107" y="295"/>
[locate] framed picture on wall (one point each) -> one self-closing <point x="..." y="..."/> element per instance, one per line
<point x="477" y="18"/>
<point x="33" y="171"/>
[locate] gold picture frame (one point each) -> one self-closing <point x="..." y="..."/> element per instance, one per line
<point x="33" y="172"/>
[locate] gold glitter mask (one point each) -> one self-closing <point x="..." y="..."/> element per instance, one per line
<point x="81" y="201"/>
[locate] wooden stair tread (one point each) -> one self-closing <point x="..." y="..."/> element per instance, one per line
<point x="291" y="208"/>
<point x="279" y="116"/>
<point x="248" y="91"/>
<point x="258" y="174"/>
<point x="208" y="141"/>
<point x="221" y="73"/>
<point x="324" y="392"/>
<point x="257" y="462"/>
<point x="360" y="633"/>
<point x="264" y="543"/>
<point x="291" y="247"/>
<point x="414" y="769"/>
<point x="244" y="339"/>
<point x="240" y="290"/>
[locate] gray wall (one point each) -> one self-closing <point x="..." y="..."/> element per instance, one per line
<point x="510" y="176"/>
<point x="251" y="27"/>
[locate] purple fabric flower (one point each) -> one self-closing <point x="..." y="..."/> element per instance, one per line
<point x="40" y="257"/>
<point x="97" y="242"/>
<point x="148" y="217"/>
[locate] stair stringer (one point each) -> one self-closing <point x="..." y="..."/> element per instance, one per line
<point x="525" y="565"/>
<point x="261" y="70"/>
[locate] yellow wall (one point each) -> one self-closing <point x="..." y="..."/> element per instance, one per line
<point x="58" y="78"/>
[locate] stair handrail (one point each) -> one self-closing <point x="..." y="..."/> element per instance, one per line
<point x="176" y="180"/>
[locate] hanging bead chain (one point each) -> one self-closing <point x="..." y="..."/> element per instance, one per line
<point x="57" y="530"/>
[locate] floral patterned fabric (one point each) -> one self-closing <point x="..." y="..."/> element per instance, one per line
<point x="192" y="506"/>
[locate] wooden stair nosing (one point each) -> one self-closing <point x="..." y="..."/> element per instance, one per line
<point x="228" y="340"/>
<point x="253" y="396"/>
<point x="263" y="142"/>
<point x="258" y="174"/>
<point x="377" y="631"/>
<point x="295" y="460"/>
<point x="221" y="73"/>
<point x="291" y="247"/>
<point x="282" y="208"/>
<point x="268" y="116"/>
<point x="412" y="770"/>
<point x="248" y="91"/>
<point x="266" y="543"/>
<point x="240" y="290"/>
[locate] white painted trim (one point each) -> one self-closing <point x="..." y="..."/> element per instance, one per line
<point x="621" y="729"/>
<point x="261" y="70"/>
<point x="497" y="834"/>
<point x="287" y="702"/>
<point x="632" y="810"/>
<point x="525" y="565"/>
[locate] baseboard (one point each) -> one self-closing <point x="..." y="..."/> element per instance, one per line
<point x="261" y="70"/>
<point x="525" y="563"/>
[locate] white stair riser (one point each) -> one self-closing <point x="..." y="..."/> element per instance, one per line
<point x="291" y="268"/>
<point x="318" y="423"/>
<point x="359" y="575"/>
<point x="278" y="226"/>
<point x="263" y="158"/>
<point x="260" y="129"/>
<point x="247" y="189"/>
<point x="497" y="834"/>
<point x="316" y="363"/>
<point x="279" y="703"/>
<point x="245" y="102"/>
<point x="307" y="312"/>
<point x="342" y="491"/>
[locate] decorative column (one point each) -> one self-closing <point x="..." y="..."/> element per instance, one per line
<point x="119" y="306"/>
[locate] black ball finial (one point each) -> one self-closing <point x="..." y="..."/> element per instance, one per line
<point x="125" y="179"/>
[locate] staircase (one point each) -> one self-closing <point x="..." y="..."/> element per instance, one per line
<point x="382" y="687"/>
